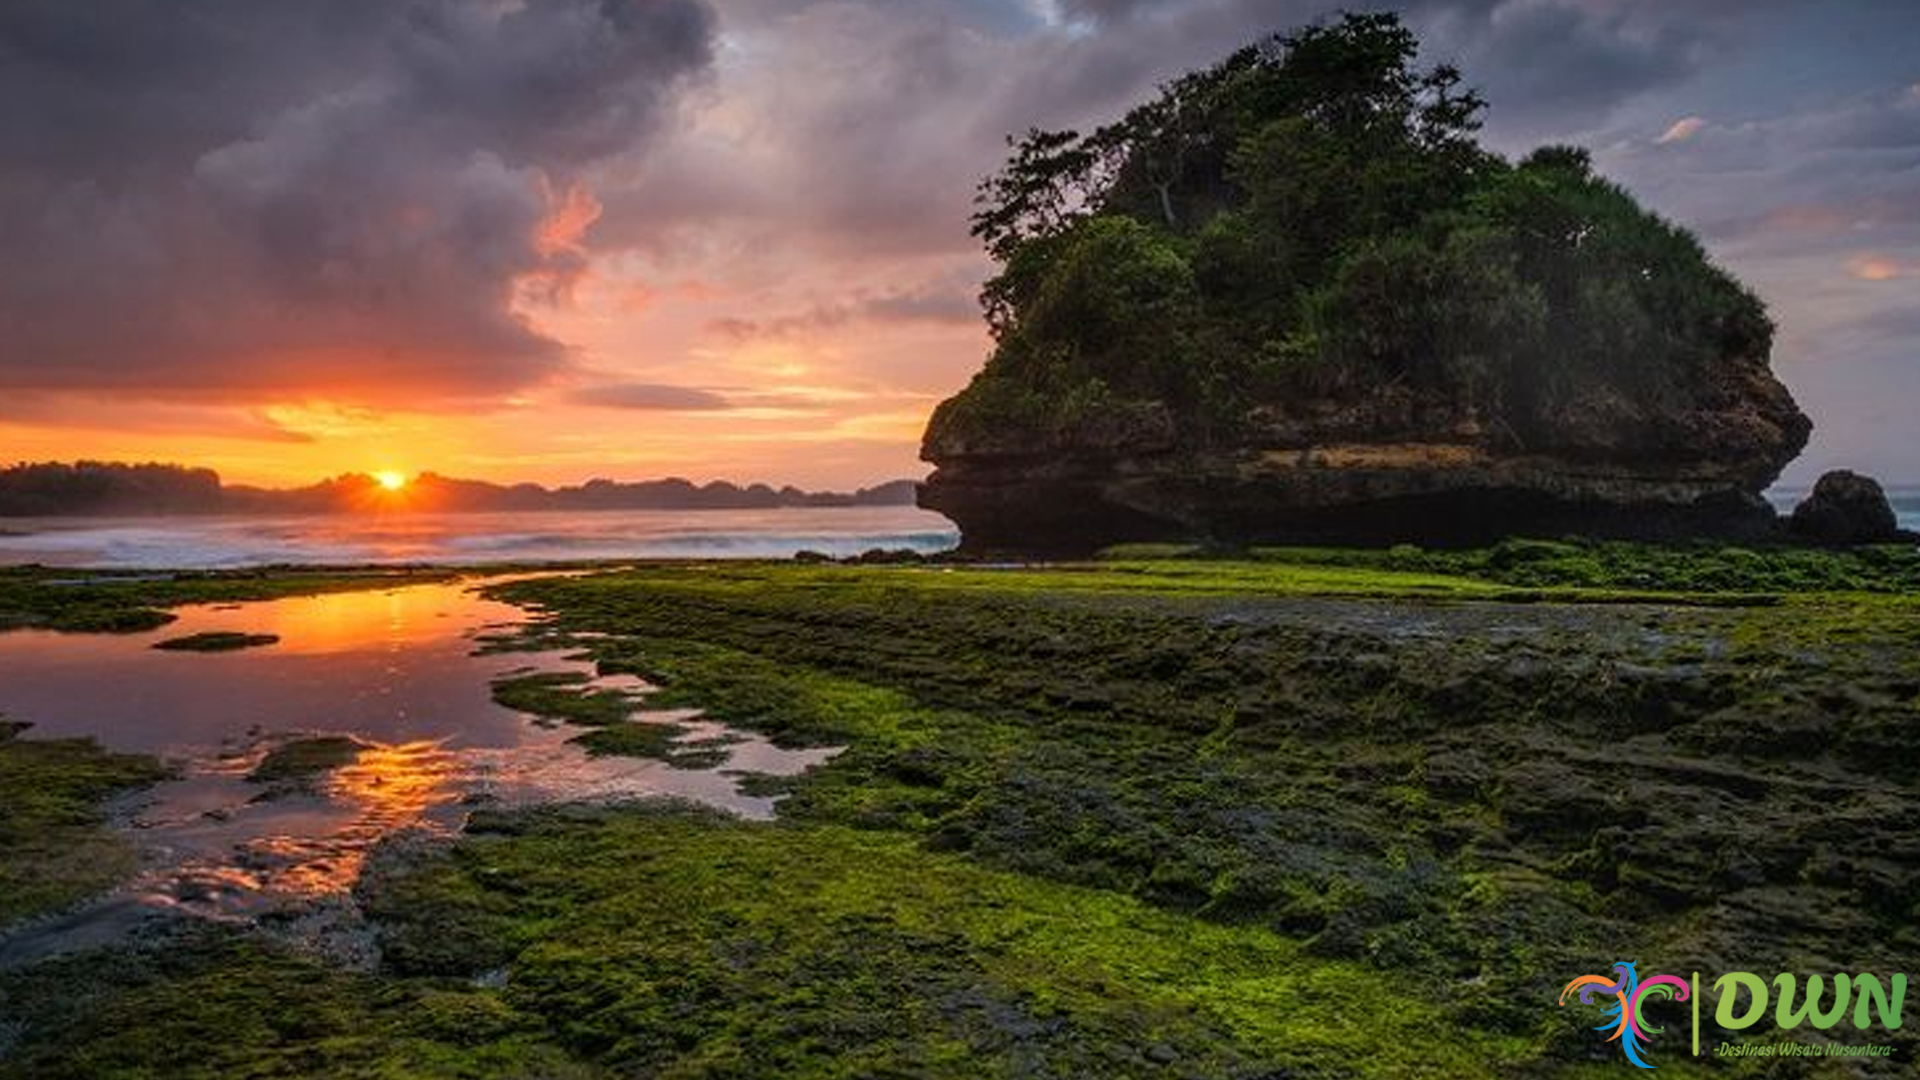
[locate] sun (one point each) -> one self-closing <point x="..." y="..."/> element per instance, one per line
<point x="391" y="481"/>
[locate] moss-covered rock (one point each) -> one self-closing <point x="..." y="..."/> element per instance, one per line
<point x="217" y="641"/>
<point x="55" y="845"/>
<point x="298" y="763"/>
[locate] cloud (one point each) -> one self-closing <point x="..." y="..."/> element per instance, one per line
<point x="350" y="199"/>
<point x="69" y="411"/>
<point x="1102" y="11"/>
<point x="859" y="128"/>
<point x="1681" y="130"/>
<point x="1833" y="176"/>
<point x="946" y="301"/>
<point x="430" y="206"/>
<point x="1893" y="324"/>
<point x="650" y="396"/>
<point x="1872" y="267"/>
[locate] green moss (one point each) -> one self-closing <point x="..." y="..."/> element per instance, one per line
<point x="298" y="762"/>
<point x="1701" y="568"/>
<point x="1354" y="756"/>
<point x="671" y="942"/>
<point x="563" y="696"/>
<point x="218" y="1005"/>
<point x="55" y="847"/>
<point x="1204" y="818"/>
<point x="570" y="697"/>
<point x="89" y="616"/>
<point x="656" y="740"/>
<point x="217" y="641"/>
<point x="95" y="601"/>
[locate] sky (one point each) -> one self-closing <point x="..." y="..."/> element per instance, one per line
<point x="554" y="239"/>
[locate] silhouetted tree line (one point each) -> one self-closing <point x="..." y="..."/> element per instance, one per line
<point x="104" y="487"/>
<point x="107" y="488"/>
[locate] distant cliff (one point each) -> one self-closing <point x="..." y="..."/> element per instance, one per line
<point x="109" y="488"/>
<point x="1292" y="299"/>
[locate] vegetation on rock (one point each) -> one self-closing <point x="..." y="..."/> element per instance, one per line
<point x="111" y="601"/>
<point x="298" y="763"/>
<point x="613" y="728"/>
<point x="55" y="847"/>
<point x="1304" y="246"/>
<point x="217" y="641"/>
<point x="1311" y="219"/>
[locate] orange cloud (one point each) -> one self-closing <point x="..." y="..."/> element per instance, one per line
<point x="570" y="214"/>
<point x="1872" y="267"/>
<point x="1681" y="130"/>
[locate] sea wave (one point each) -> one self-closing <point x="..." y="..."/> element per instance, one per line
<point x="460" y="539"/>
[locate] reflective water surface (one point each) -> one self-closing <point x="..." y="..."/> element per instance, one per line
<point x="396" y="670"/>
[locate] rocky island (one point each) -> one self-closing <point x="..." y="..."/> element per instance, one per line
<point x="1291" y="299"/>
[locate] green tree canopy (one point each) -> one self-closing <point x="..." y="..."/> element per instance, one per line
<point x="1312" y="218"/>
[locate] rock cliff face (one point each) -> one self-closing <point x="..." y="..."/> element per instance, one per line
<point x="1388" y="468"/>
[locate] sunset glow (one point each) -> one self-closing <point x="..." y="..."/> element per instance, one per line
<point x="957" y="538"/>
<point x="686" y="259"/>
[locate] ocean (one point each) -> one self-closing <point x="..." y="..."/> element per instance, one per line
<point x="191" y="543"/>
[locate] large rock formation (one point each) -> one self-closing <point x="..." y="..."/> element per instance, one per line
<point x="1291" y="300"/>
<point x="1388" y="469"/>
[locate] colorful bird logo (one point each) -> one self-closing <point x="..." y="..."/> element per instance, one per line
<point x="1628" y="992"/>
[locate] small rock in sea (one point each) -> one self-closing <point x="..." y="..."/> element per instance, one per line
<point x="811" y="556"/>
<point x="1845" y="508"/>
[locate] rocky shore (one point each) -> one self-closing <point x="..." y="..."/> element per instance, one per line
<point x="1342" y="812"/>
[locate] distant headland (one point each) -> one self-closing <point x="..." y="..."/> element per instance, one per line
<point x="53" y="489"/>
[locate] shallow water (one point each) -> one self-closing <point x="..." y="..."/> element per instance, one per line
<point x="395" y="669"/>
<point x="186" y="543"/>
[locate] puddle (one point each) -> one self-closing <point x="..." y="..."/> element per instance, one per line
<point x="398" y="670"/>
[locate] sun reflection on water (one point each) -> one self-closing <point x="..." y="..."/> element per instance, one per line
<point x="354" y="621"/>
<point x="395" y="786"/>
<point x="397" y="671"/>
<point x="386" y="788"/>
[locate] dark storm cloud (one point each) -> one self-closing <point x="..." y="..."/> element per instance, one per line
<point x="867" y="123"/>
<point x="1551" y="67"/>
<point x="1103" y="11"/>
<point x="339" y="198"/>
